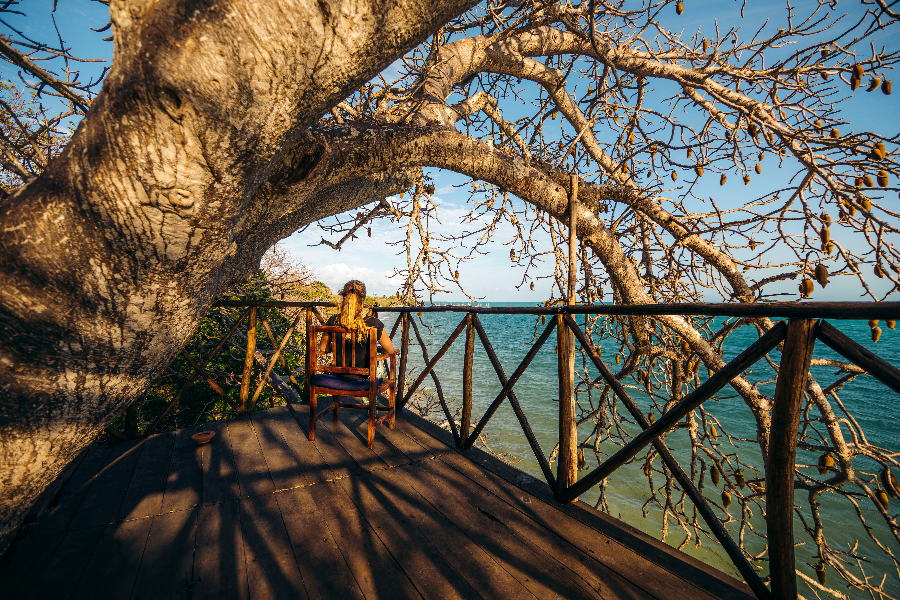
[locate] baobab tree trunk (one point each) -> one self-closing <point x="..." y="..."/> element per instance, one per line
<point x="111" y="257"/>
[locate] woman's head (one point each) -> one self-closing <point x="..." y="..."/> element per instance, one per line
<point x="353" y="313"/>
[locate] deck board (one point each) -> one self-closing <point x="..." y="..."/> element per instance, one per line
<point x="261" y="512"/>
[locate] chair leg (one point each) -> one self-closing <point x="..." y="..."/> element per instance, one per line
<point x="336" y="408"/>
<point x="392" y="398"/>
<point x="313" y="396"/>
<point x="372" y="404"/>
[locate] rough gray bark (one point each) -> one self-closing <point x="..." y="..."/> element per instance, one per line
<point x="109" y="259"/>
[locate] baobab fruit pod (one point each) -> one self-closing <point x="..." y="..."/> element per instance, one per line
<point x="858" y="71"/>
<point x="874" y="84"/>
<point x="699" y="170"/>
<point x="883" y="178"/>
<point x="857" y="182"/>
<point x="822" y="274"/>
<point x="867" y="180"/>
<point x="818" y="123"/>
<point x="532" y="286"/>
<point x="882" y="498"/>
<point x="651" y="417"/>
<point x="705" y="45"/>
<point x="891" y="323"/>
<point x="726" y="499"/>
<point x="674" y="176"/>
<point x="582" y="464"/>
<point x="429" y="189"/>
<point x="876" y="334"/>
<point x="710" y="372"/>
<point x="826" y="219"/>
<point x="714" y="473"/>
<point x="829" y="248"/>
<point x="866" y="204"/>
<point x="456" y="276"/>
<point x="854" y="84"/>
<point x="686" y="347"/>
<point x="713" y="432"/>
<point x="722" y="179"/>
<point x="690" y="152"/>
<point x="512" y="254"/>
<point x="369" y="230"/>
<point x="825" y="234"/>
<point x="739" y="478"/>
<point x="679" y="8"/>
<point x="544" y="321"/>
<point x="820" y="573"/>
<point x="752" y="129"/>
<point x="746" y="179"/>
<point x="826" y="463"/>
<point x="758" y="169"/>
<point x="889" y="482"/>
<point x="886" y="87"/>
<point x="835" y="133"/>
<point x="806" y="288"/>
<point x="618" y="358"/>
<point x="553" y="115"/>
<point x="874" y="322"/>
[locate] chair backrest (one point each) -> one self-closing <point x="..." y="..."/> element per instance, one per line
<point x="348" y="339"/>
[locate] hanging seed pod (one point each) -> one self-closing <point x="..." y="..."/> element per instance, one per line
<point x="722" y="179"/>
<point x="713" y="432"/>
<point x="889" y="482"/>
<point x="512" y="254"/>
<point x="882" y="498"/>
<point x="835" y="134"/>
<point x="651" y="417"/>
<point x="369" y="230"/>
<point x="761" y="156"/>
<point x="726" y="499"/>
<point x="882" y="178"/>
<point x="553" y="115"/>
<point x="705" y="45"/>
<point x="886" y="87"/>
<point x="825" y="234"/>
<point x="867" y="179"/>
<point x="851" y="209"/>
<point x="874" y="84"/>
<point x="866" y="204"/>
<point x="752" y="129"/>
<point x="674" y="176"/>
<point x="582" y="464"/>
<point x="758" y="169"/>
<point x="878" y="152"/>
<point x="714" y="474"/>
<point x="690" y="152"/>
<point x="857" y="182"/>
<point x="618" y="358"/>
<point x="819" y="125"/>
<point x="532" y="286"/>
<point x="456" y="276"/>
<point x="806" y="288"/>
<point x="876" y="334"/>
<point x="746" y="179"/>
<point x="543" y="319"/>
<point x="698" y="170"/>
<point x="820" y="572"/>
<point x="891" y="323"/>
<point x="686" y="347"/>
<point x="826" y="463"/>
<point x="858" y="71"/>
<point x="826" y="218"/>
<point x="647" y="470"/>
<point x="829" y="248"/>
<point x="739" y="478"/>
<point x="679" y="8"/>
<point x="879" y="272"/>
<point x="874" y="322"/>
<point x="822" y="274"/>
<point x="709" y="372"/>
<point x="854" y="84"/>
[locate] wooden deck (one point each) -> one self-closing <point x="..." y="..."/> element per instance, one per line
<point x="261" y="512"/>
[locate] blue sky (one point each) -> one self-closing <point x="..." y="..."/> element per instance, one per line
<point x="492" y="276"/>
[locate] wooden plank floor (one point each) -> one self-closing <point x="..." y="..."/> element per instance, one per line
<point x="261" y="512"/>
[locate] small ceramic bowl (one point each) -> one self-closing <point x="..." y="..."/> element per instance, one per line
<point x="203" y="437"/>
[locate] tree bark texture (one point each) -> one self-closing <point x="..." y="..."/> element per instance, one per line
<point x="111" y="257"/>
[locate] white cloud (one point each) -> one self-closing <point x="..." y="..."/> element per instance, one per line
<point x="336" y="275"/>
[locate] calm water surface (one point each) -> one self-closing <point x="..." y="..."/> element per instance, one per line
<point x="874" y="406"/>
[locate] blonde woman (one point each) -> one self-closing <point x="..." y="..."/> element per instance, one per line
<point x="353" y="315"/>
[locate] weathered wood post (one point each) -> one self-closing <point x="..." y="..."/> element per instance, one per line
<point x="567" y="468"/>
<point x="404" y="350"/>
<point x="466" y="418"/>
<point x="248" y="360"/>
<point x="309" y="344"/>
<point x="796" y="355"/>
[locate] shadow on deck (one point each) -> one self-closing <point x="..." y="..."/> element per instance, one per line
<point x="261" y="512"/>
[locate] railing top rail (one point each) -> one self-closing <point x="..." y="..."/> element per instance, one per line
<point x="807" y="310"/>
<point x="273" y="303"/>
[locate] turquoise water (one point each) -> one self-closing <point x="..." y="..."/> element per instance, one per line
<point x="873" y="405"/>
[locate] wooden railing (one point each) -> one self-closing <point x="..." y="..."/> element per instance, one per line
<point x="798" y="336"/>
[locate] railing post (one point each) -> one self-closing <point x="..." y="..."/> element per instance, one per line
<point x="404" y="350"/>
<point x="248" y="360"/>
<point x="309" y="343"/>
<point x="467" y="382"/>
<point x="567" y="468"/>
<point x="796" y="355"/>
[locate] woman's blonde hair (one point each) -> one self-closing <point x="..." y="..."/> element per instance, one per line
<point x="353" y="313"/>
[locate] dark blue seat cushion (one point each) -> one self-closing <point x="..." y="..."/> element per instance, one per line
<point x="328" y="380"/>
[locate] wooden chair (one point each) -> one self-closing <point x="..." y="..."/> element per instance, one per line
<point x="322" y="379"/>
